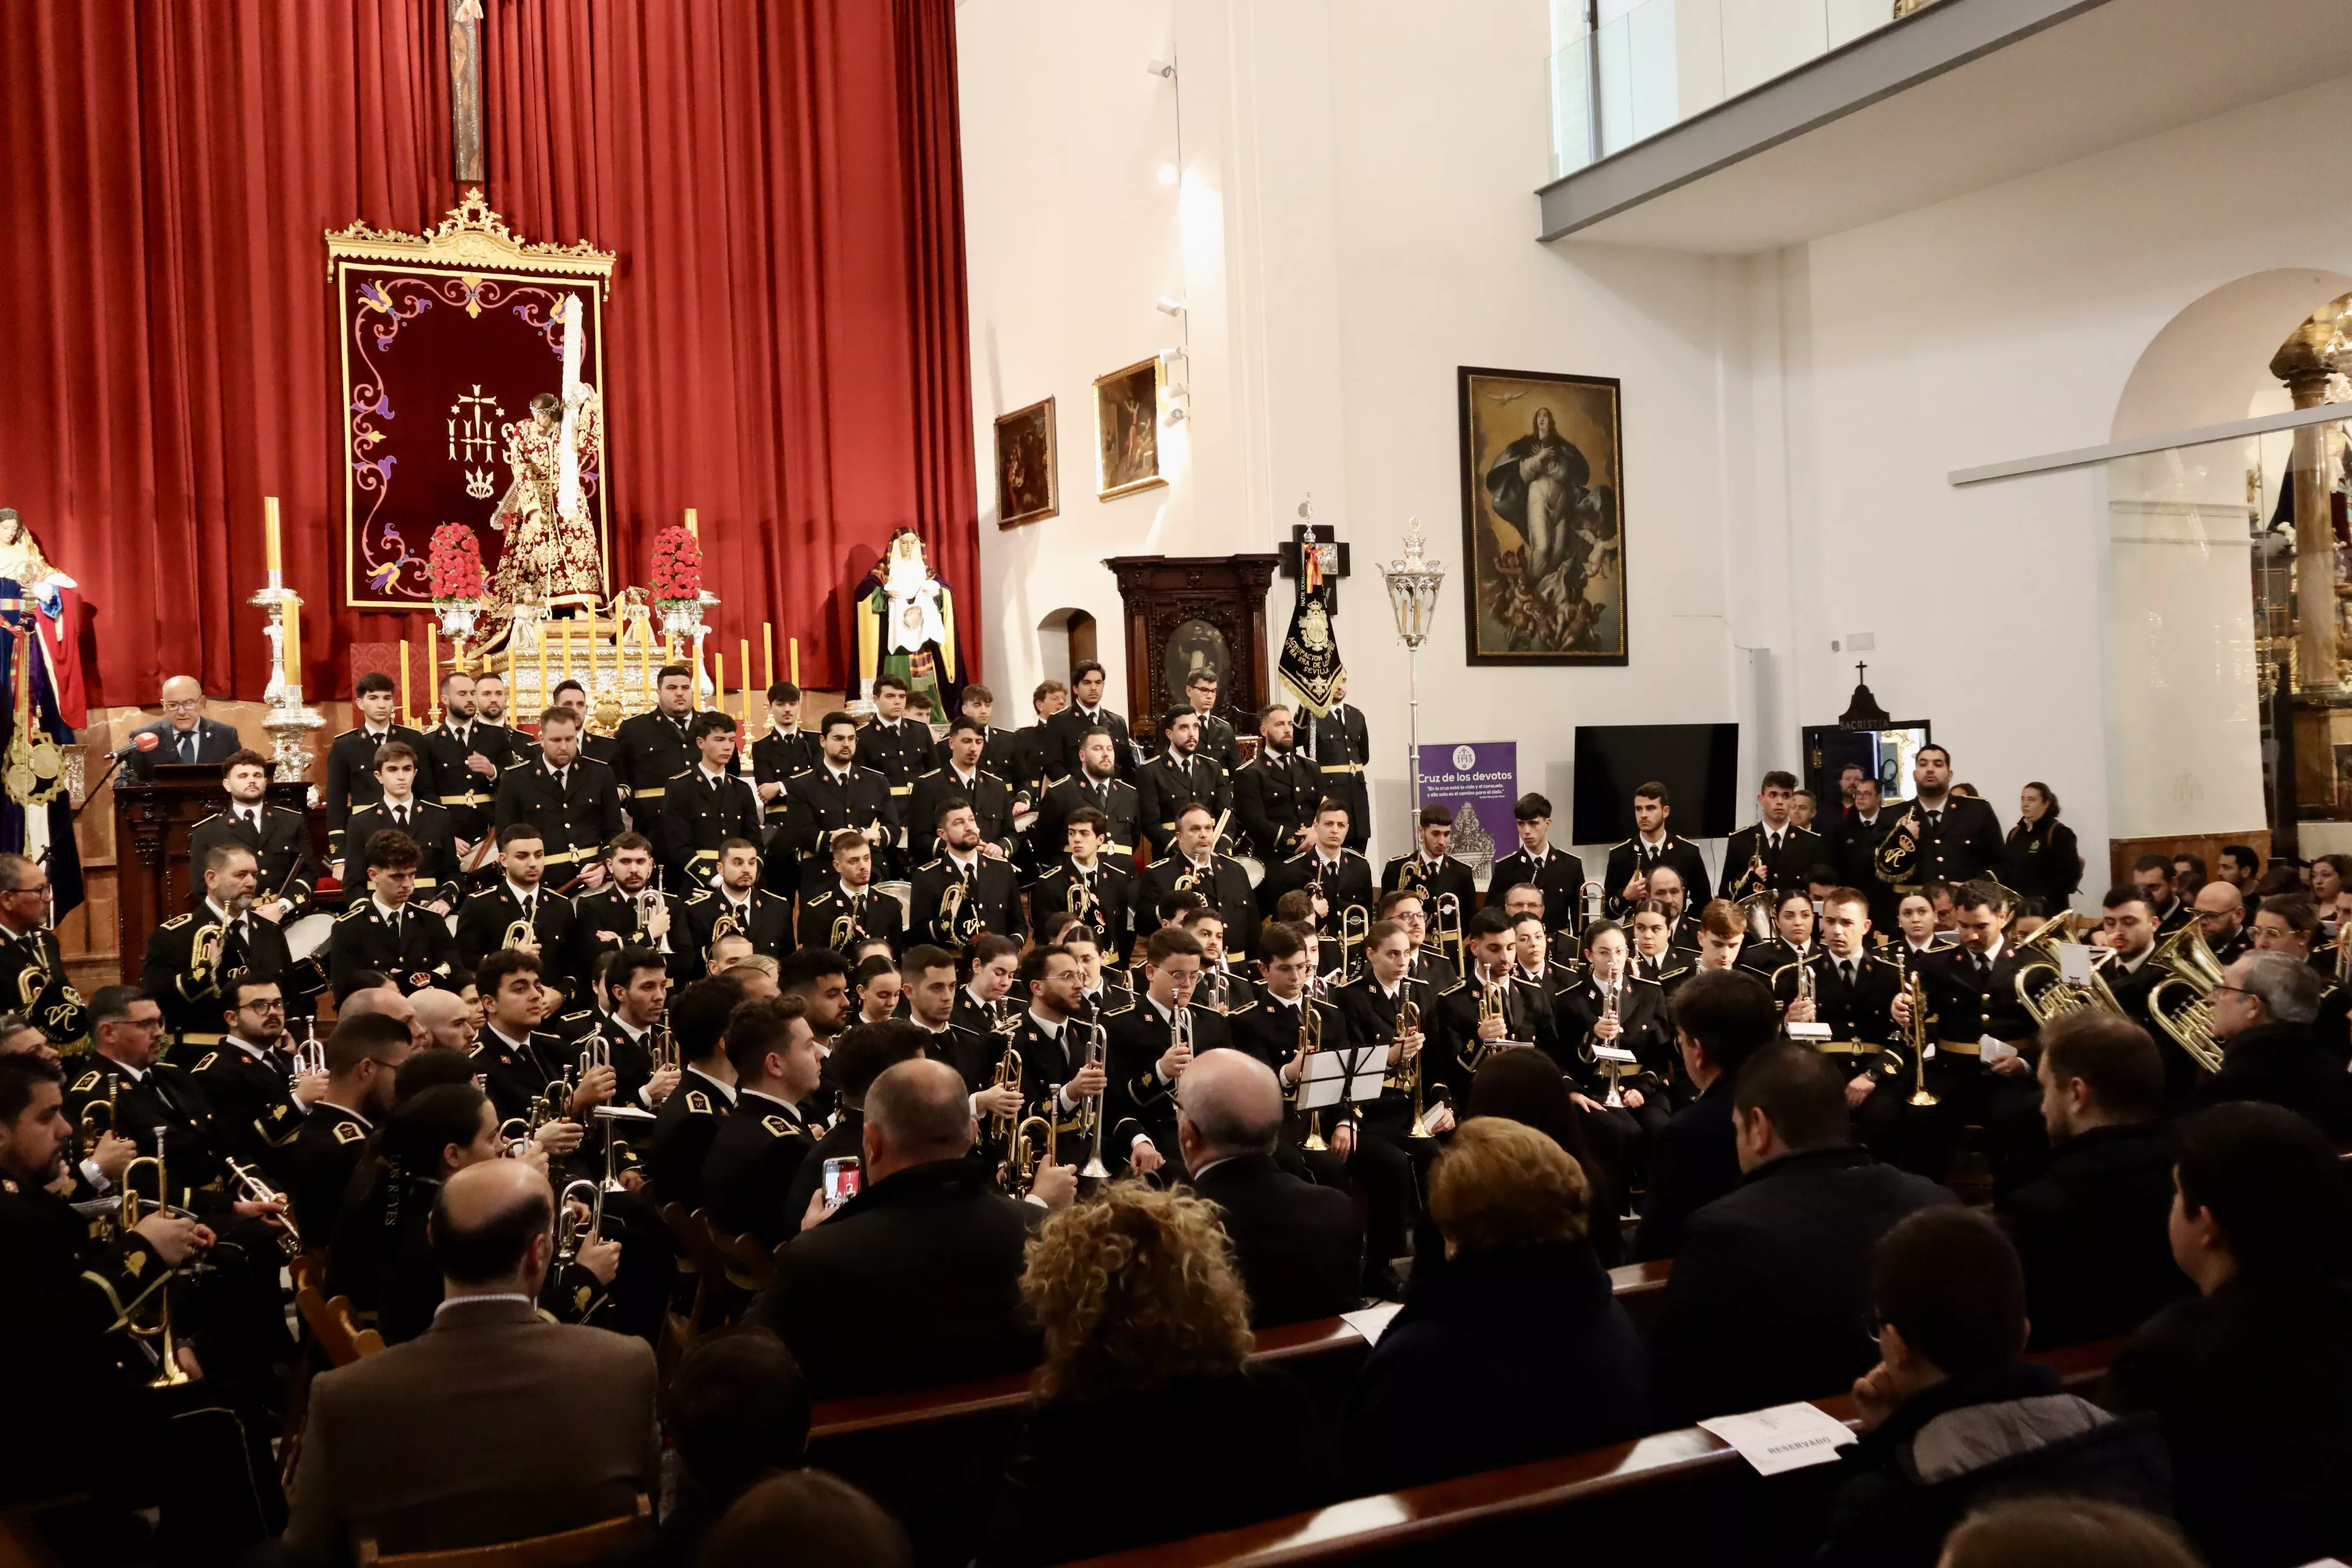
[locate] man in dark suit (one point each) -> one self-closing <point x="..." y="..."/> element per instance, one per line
<point x="840" y="794"/>
<point x="863" y="1054"/>
<point x="850" y="897"/>
<point x="915" y="1282"/>
<point x="279" y="838"/>
<point x="401" y="807"/>
<point x="1066" y="729"/>
<point x="2252" y="1380"/>
<point x="1300" y="1246"/>
<point x="1771" y="853"/>
<point x="1340" y="747"/>
<point x="1853" y="850"/>
<point x="184" y="734"/>
<point x="2263" y="1014"/>
<point x="985" y="888"/>
<point x="1145" y="1060"/>
<point x="1031" y="760"/>
<point x="785" y="751"/>
<point x="520" y="894"/>
<point x="758" y="915"/>
<point x="705" y="805"/>
<point x="386" y="932"/>
<point x="759" y="1147"/>
<point x="688" y="1121"/>
<point x="630" y="911"/>
<point x="467" y="754"/>
<point x="2221" y="911"/>
<point x="413" y="1448"/>
<point x="1938" y="836"/>
<point x="655" y="748"/>
<point x="1096" y="783"/>
<point x="1276" y="793"/>
<point x="1339" y="878"/>
<point x="1720" y="1018"/>
<point x="896" y="747"/>
<point x="1177" y="775"/>
<point x="1556" y="873"/>
<point x="1086" y="882"/>
<point x="351" y="758"/>
<point x="364" y="1056"/>
<point x="998" y="753"/>
<point x="1782" y="1260"/>
<point x="190" y="957"/>
<point x="1218" y="741"/>
<point x="1653" y="844"/>
<point x="573" y="800"/>
<point x="1433" y="869"/>
<point x="2090" y="1218"/>
<point x="961" y="776"/>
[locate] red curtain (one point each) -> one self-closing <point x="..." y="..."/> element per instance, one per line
<point x="786" y="336"/>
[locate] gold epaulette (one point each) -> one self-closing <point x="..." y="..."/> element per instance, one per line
<point x="350" y="1133"/>
<point x="177" y="921"/>
<point x="776" y="1125"/>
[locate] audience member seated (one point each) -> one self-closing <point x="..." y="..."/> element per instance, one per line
<point x="858" y="1057"/>
<point x="494" y="1424"/>
<point x="824" y="1519"/>
<point x="2252" y="1377"/>
<point x="1299" y="1248"/>
<point x="1770" y="1300"/>
<point x="1146" y="1352"/>
<point x="1525" y="1087"/>
<point x="2263" y="1014"/>
<point x="736" y="1413"/>
<point x="915" y="1282"/>
<point x="2066" y="1532"/>
<point x="2090" y="1222"/>
<point x="1516" y="1340"/>
<point x="1951" y="1412"/>
<point x="1721" y="1017"/>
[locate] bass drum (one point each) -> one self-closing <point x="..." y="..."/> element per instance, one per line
<point x="1251" y="866"/>
<point x="905" y="893"/>
<point x="307" y="937"/>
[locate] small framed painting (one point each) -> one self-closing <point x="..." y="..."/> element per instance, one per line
<point x="1127" y="430"/>
<point x="1026" y="488"/>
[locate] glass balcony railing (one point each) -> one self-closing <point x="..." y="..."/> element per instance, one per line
<point x="1620" y="72"/>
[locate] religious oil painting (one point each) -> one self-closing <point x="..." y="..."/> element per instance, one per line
<point x="1026" y="481"/>
<point x="1127" y="430"/>
<point x="1543" y="539"/>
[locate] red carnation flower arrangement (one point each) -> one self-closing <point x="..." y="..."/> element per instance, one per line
<point x="677" y="567"/>
<point x="456" y="568"/>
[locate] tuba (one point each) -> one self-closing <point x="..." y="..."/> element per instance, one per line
<point x="2042" y="986"/>
<point x="2180" y="1004"/>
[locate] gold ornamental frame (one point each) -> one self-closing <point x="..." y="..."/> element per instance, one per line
<point x="475" y="243"/>
<point x="1104" y="490"/>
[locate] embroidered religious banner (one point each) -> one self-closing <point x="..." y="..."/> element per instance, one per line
<point x="471" y="362"/>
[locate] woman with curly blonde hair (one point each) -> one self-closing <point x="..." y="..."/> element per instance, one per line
<point x="1147" y="1338"/>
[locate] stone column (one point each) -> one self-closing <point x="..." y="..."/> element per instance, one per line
<point x="2302" y="363"/>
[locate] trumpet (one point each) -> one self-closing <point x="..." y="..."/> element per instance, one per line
<point x="249" y="1182"/>
<point x="1408" y="1022"/>
<point x="665" y="1043"/>
<point x="1310" y="1040"/>
<point x="1220" y="989"/>
<point x="1090" y="1109"/>
<point x="1445" y="928"/>
<point x="1757" y="876"/>
<point x="1493" y="1006"/>
<point x="1028" y="1149"/>
<point x="571" y="1231"/>
<point x="1915" y="1035"/>
<point x="1000" y="1126"/>
<point x="171" y="1375"/>
<point x="520" y="933"/>
<point x="310" y="1053"/>
<point x="1085" y="904"/>
<point x="1615" y="1100"/>
<point x="92" y="1131"/>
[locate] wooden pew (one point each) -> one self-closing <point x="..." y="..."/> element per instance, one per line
<point x="1674" y="1497"/>
<point x="934" y="1456"/>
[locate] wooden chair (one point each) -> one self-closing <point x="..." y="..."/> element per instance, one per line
<point x="695" y="1261"/>
<point x="330" y="1323"/>
<point x="748" y="1264"/>
<point x="561" y="1549"/>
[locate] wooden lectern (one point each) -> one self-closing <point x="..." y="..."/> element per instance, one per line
<point x="152" y="818"/>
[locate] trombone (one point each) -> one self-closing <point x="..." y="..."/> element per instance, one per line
<point x="1408" y="1022"/>
<point x="1090" y="1109"/>
<point x="1355" y="929"/>
<point x="1310" y="1041"/>
<point x="1592" y="900"/>
<point x="1445" y="929"/>
<point x="1915" y="1035"/>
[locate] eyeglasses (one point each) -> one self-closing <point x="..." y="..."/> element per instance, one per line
<point x="2233" y="990"/>
<point x="183" y="705"/>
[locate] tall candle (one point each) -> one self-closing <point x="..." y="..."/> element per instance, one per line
<point x="645" y="662"/>
<point x="293" y="642"/>
<point x="690" y="527"/>
<point x="407" y="710"/>
<point x="743" y="645"/>
<point x="433" y="672"/>
<point x="269" y="530"/>
<point x="768" y="651"/>
<point x="718" y="680"/>
<point x="566" y="626"/>
<point x="793" y="649"/>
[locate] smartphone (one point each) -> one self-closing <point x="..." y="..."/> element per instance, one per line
<point x="841" y="1180"/>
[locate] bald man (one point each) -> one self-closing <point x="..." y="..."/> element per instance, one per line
<point x="442" y="1016"/>
<point x="387" y="1000"/>
<point x="2221" y="919"/>
<point x="414" y="1447"/>
<point x="182" y="734"/>
<point x="1300" y="1248"/>
<point x="915" y="1282"/>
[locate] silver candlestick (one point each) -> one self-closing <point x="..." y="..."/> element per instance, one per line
<point x="1412" y="585"/>
<point x="288" y="721"/>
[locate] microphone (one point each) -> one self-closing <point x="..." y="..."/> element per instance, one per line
<point x="144" y="741"/>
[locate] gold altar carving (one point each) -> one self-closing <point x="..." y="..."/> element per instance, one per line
<point x="471" y="235"/>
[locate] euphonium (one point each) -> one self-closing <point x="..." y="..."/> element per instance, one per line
<point x="249" y="1182"/>
<point x="2042" y="987"/>
<point x="1755" y="909"/>
<point x="2180" y="1004"/>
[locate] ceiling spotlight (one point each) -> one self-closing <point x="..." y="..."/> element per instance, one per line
<point x="1175" y="416"/>
<point x="1170" y="355"/>
<point x="1167" y="173"/>
<point x="1165" y="68"/>
<point x="1170" y="307"/>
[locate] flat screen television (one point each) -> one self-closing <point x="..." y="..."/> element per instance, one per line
<point x="1698" y="763"/>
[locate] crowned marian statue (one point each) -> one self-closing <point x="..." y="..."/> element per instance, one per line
<point x="552" y="557"/>
<point x="906" y="627"/>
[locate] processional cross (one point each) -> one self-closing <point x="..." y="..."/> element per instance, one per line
<point x="466" y="90"/>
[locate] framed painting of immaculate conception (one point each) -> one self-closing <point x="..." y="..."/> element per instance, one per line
<point x="1543" y="537"/>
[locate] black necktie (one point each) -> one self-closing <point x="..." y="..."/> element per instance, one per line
<point x="1934" y="818"/>
<point x="561" y="783"/>
<point x="399" y="927"/>
<point x="252" y="819"/>
<point x="530" y="908"/>
<point x="374" y="739"/>
<point x="399" y="816"/>
<point x="187" y="745"/>
<point x="1847" y="971"/>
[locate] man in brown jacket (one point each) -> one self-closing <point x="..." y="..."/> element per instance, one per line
<point x="494" y="1425"/>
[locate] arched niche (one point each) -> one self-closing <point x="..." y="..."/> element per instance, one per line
<point x="1066" y="639"/>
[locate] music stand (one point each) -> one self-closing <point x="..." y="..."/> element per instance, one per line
<point x="1351" y="1075"/>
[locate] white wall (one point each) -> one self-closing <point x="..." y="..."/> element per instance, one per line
<point x="1356" y="217"/>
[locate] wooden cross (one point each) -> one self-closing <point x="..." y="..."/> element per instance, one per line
<point x="466" y="90"/>
<point x="1324" y="540"/>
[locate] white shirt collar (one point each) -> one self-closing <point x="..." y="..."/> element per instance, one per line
<point x="386" y="911"/>
<point x="716" y="775"/>
<point x="967" y="862"/>
<point x="522" y="895"/>
<point x="1657" y="843"/>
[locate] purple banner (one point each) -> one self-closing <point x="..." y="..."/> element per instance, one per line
<point x="1480" y="781"/>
